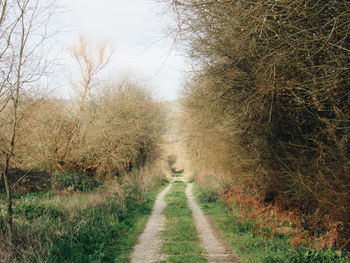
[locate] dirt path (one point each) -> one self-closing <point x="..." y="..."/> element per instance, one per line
<point x="216" y="251"/>
<point x="148" y="248"/>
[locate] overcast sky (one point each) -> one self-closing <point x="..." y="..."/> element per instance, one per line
<point x="137" y="31"/>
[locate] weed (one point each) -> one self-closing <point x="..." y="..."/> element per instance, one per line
<point x="31" y="210"/>
<point x="327" y="255"/>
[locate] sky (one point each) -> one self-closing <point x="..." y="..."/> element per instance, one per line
<point x="137" y="31"/>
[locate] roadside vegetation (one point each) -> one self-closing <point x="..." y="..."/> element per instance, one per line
<point x="252" y="241"/>
<point x="78" y="175"/>
<point x="266" y="112"/>
<point x="82" y="182"/>
<point x="82" y="188"/>
<point x="181" y="241"/>
<point x="98" y="226"/>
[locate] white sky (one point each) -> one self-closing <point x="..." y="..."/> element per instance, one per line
<point x="136" y="30"/>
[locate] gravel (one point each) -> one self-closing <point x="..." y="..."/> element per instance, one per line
<point x="214" y="247"/>
<point x="148" y="248"/>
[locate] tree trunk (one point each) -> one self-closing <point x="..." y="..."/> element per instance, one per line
<point x="9" y="215"/>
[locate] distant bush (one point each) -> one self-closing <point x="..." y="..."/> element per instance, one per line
<point x="81" y="182"/>
<point x="171" y="160"/>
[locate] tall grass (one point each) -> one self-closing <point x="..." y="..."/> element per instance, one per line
<point x="102" y="225"/>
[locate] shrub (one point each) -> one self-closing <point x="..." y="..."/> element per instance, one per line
<point x="209" y="196"/>
<point x="81" y="182"/>
<point x="268" y="103"/>
<point x="171" y="160"/>
<point x="117" y="130"/>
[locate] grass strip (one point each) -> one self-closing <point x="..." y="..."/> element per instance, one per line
<point x="181" y="241"/>
<point x="252" y="248"/>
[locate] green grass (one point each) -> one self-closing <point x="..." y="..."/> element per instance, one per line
<point x="105" y="232"/>
<point x="181" y="241"/>
<point x="108" y="237"/>
<point x="255" y="248"/>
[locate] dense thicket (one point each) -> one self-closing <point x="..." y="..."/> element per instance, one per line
<point x="269" y="101"/>
<point x="117" y="130"/>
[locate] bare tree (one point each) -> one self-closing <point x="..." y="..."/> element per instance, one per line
<point x="270" y="95"/>
<point x="91" y="60"/>
<point x="8" y="24"/>
<point x="23" y="32"/>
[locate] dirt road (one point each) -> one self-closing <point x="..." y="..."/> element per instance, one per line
<point x="148" y="248"/>
<point x="214" y="247"/>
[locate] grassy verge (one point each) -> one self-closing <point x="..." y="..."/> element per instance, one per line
<point x="256" y="248"/>
<point x="181" y="241"/>
<point x="100" y="226"/>
<point x="107" y="234"/>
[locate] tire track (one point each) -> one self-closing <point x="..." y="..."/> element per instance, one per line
<point x="148" y="248"/>
<point x="216" y="250"/>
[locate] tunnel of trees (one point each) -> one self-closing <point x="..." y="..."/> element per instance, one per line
<point x="268" y="101"/>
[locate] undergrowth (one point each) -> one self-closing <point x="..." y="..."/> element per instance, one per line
<point x="75" y="181"/>
<point x="96" y="226"/>
<point x="106" y="234"/>
<point x="260" y="246"/>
